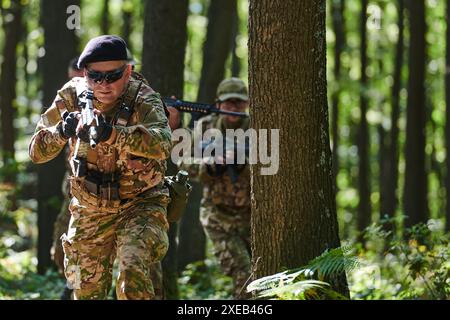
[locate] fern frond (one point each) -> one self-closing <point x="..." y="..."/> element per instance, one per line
<point x="333" y="262"/>
<point x="303" y="290"/>
<point x="281" y="278"/>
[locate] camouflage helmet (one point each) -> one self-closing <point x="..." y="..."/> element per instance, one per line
<point x="232" y="88"/>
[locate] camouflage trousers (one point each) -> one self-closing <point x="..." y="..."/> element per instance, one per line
<point x="230" y="235"/>
<point x="135" y="234"/>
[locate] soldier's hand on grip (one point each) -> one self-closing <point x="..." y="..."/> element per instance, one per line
<point x="83" y="133"/>
<point x="104" y="129"/>
<point x="69" y="125"/>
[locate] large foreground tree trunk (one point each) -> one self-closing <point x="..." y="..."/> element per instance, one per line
<point x="288" y="91"/>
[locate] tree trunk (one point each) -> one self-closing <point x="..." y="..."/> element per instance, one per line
<point x="235" y="61"/>
<point x="447" y="123"/>
<point x="105" y="17"/>
<point x="287" y="73"/>
<point x="337" y="15"/>
<point x="60" y="45"/>
<point x="163" y="66"/>
<point x="8" y="81"/>
<point x="415" y="190"/>
<point x="364" y="206"/>
<point x="216" y="48"/>
<point x="127" y="15"/>
<point x="388" y="198"/>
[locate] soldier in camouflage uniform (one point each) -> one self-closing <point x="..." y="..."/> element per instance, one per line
<point x="124" y="217"/>
<point x="225" y="207"/>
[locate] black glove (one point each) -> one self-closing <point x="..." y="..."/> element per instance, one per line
<point x="83" y="134"/>
<point x="104" y="130"/>
<point x="101" y="133"/>
<point x="69" y="125"/>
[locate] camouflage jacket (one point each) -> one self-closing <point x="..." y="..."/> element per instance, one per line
<point x="220" y="190"/>
<point x="138" y="153"/>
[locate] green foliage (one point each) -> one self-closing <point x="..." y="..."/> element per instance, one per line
<point x="204" y="280"/>
<point x="334" y="262"/>
<point x="299" y="284"/>
<point x="19" y="280"/>
<point x="413" y="266"/>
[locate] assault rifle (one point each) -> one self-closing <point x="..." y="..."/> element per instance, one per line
<point x="88" y="118"/>
<point x="187" y="106"/>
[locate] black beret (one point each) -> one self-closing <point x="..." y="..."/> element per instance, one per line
<point x="103" y="48"/>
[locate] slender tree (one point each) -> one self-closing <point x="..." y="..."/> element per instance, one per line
<point x="60" y="45"/>
<point x="105" y="17"/>
<point x="163" y="66"/>
<point x="235" y="61"/>
<point x="13" y="28"/>
<point x="389" y="176"/>
<point x="127" y="15"/>
<point x="216" y="50"/>
<point x="287" y="74"/>
<point x="337" y="14"/>
<point x="415" y="189"/>
<point x="364" y="207"/>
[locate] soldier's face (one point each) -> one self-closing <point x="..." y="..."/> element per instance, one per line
<point x="235" y="105"/>
<point x="108" y="80"/>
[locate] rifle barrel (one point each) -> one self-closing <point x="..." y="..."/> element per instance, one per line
<point x="187" y="106"/>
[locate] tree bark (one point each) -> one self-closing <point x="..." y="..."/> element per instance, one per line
<point x="60" y="45"/>
<point x="364" y="205"/>
<point x="415" y="190"/>
<point x="163" y="66"/>
<point x="388" y="198"/>
<point x="8" y="79"/>
<point x="287" y="73"/>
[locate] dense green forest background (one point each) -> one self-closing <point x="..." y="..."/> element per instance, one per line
<point x="372" y="96"/>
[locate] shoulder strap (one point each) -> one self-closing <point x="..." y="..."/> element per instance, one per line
<point x="126" y="109"/>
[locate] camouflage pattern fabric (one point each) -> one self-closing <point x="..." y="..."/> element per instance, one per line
<point x="225" y="211"/>
<point x="136" y="234"/>
<point x="230" y="235"/>
<point x="59" y="228"/>
<point x="132" y="228"/>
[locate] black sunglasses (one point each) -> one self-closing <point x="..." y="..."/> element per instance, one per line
<point x="109" y="76"/>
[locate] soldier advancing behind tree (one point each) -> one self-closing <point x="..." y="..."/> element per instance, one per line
<point x="225" y="207"/>
<point x="119" y="201"/>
